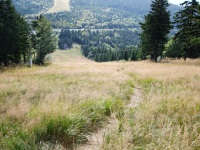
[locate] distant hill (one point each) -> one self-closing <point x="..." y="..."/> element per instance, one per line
<point x="96" y="14"/>
<point x="26" y="7"/>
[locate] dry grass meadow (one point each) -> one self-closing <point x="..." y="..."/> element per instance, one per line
<point x="60" y="5"/>
<point x="57" y="105"/>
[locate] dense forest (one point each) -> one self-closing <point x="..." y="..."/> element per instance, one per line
<point x="102" y="45"/>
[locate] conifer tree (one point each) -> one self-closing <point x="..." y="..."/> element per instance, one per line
<point x="22" y="40"/>
<point x="14" y="34"/>
<point x="7" y="21"/>
<point x="46" y="41"/>
<point x="188" y="23"/>
<point x="155" y="29"/>
<point x="1" y="31"/>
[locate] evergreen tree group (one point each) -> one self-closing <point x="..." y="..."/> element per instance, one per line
<point x="188" y="36"/>
<point x="185" y="43"/>
<point x="14" y="35"/>
<point x="16" y="39"/>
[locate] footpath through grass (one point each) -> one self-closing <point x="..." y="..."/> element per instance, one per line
<point x="169" y="115"/>
<point x="59" y="104"/>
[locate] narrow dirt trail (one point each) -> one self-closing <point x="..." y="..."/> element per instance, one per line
<point x="95" y="140"/>
<point x="136" y="98"/>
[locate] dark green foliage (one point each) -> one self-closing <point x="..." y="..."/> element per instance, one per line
<point x="64" y="129"/>
<point x="68" y="130"/>
<point x="14" y="35"/>
<point x="188" y="23"/>
<point x="14" y="137"/>
<point x="173" y="49"/>
<point x="45" y="39"/>
<point x="155" y="29"/>
<point x="102" y="45"/>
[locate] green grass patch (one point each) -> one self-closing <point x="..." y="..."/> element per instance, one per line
<point x="86" y="118"/>
<point x="13" y="137"/>
<point x="83" y="119"/>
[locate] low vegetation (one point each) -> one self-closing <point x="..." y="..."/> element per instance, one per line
<point x="59" y="104"/>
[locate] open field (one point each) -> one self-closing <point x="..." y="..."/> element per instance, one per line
<point x="54" y="106"/>
<point x="60" y="5"/>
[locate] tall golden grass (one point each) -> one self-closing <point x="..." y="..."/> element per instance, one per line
<point x="168" y="116"/>
<point x="63" y="101"/>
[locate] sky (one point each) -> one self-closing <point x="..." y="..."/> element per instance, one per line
<point x="178" y="1"/>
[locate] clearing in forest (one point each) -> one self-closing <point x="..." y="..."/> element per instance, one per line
<point x="60" y="5"/>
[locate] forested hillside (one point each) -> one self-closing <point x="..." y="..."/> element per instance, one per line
<point x="102" y="45"/>
<point x="104" y="14"/>
<point x="92" y="13"/>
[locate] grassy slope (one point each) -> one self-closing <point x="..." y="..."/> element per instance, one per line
<point x="59" y="102"/>
<point x="59" y="5"/>
<point x="168" y="117"/>
<point x="68" y="99"/>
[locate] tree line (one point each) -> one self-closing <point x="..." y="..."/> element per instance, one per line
<point x="17" y="41"/>
<point x="102" y="45"/>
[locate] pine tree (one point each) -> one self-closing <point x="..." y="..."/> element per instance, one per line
<point x="22" y="40"/>
<point x="1" y="31"/>
<point x="11" y="37"/>
<point x="188" y="23"/>
<point x="14" y="33"/>
<point x="45" y="39"/>
<point x="7" y="21"/>
<point x="155" y="29"/>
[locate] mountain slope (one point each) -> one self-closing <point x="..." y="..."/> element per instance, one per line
<point x="92" y="13"/>
<point x="26" y="7"/>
